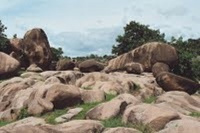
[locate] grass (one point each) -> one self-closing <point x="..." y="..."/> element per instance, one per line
<point x="117" y="122"/>
<point x="150" y="99"/>
<point x="51" y="116"/>
<point x="3" y="123"/>
<point x="87" y="88"/>
<point x="195" y="114"/>
<point x="87" y="106"/>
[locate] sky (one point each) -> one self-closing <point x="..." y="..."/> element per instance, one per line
<point x="84" y="27"/>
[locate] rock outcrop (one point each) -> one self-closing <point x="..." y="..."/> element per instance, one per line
<point x="147" y="55"/>
<point x="34" y="48"/>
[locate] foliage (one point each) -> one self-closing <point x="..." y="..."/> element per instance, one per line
<point x="102" y="59"/>
<point x="150" y="99"/>
<point x="23" y="114"/>
<point x="57" y="53"/>
<point x="196" y="67"/>
<point x="195" y="114"/>
<point x="188" y="51"/>
<point x="136" y="34"/>
<point x="51" y="116"/>
<point x="3" y="40"/>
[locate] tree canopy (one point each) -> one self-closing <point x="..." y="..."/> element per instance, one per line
<point x="3" y="39"/>
<point x="136" y="34"/>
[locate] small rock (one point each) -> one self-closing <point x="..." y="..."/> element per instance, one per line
<point x="69" y="115"/>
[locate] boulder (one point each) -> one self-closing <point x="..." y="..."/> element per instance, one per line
<point x="34" y="68"/>
<point x="172" y="82"/>
<point x="90" y="66"/>
<point x="147" y="55"/>
<point x="35" y="48"/>
<point x="112" y="108"/>
<point x="182" y="126"/>
<point x="159" y="67"/>
<point x="65" y="64"/>
<point x="121" y="130"/>
<point x="63" y="96"/>
<point x="153" y="116"/>
<point x="135" y="68"/>
<point x="179" y="101"/>
<point x="8" y="65"/>
<point x="91" y="96"/>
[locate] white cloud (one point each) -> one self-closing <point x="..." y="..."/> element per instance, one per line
<point x="91" y="26"/>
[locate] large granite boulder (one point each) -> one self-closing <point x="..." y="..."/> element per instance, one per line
<point x="90" y="66"/>
<point x="152" y="115"/>
<point x="147" y="55"/>
<point x="34" y="48"/>
<point x="172" y="82"/>
<point x="8" y="65"/>
<point x="65" y="64"/>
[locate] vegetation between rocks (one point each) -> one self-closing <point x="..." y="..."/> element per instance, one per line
<point x="117" y="122"/>
<point x="195" y="114"/>
<point x="150" y="99"/>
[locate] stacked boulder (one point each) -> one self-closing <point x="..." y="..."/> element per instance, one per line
<point x="34" y="48"/>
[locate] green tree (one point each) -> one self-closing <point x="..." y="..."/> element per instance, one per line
<point x="57" y="53"/>
<point x="136" y="34"/>
<point x="187" y="50"/>
<point x="4" y="47"/>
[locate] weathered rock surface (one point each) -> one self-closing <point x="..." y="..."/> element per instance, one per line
<point x="156" y="117"/>
<point x="135" y="68"/>
<point x="90" y="66"/>
<point x="76" y="126"/>
<point x="147" y="55"/>
<point x="91" y="96"/>
<point x="180" y="102"/>
<point x="34" y="92"/>
<point x="65" y="64"/>
<point x="159" y="67"/>
<point x="8" y="65"/>
<point x="112" y="108"/>
<point x="172" y="82"/>
<point x="121" y="130"/>
<point x="35" y="48"/>
<point x="117" y="83"/>
<point x="182" y="126"/>
<point x="33" y="121"/>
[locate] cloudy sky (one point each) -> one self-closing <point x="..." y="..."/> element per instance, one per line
<point x="83" y="27"/>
